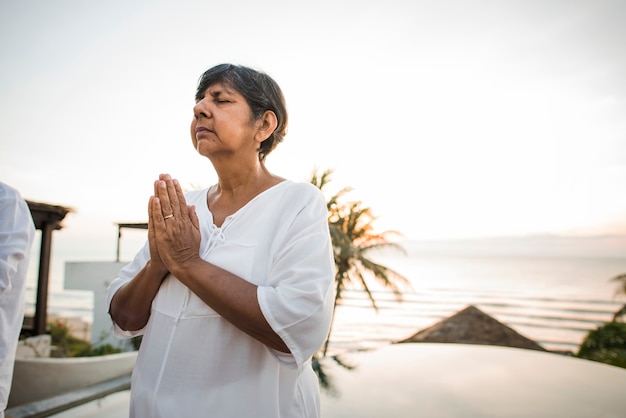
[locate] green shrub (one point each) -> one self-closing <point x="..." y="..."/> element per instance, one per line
<point x="104" y="349"/>
<point x="75" y="347"/>
<point x="606" y="344"/>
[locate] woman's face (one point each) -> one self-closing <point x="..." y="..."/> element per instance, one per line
<point x="222" y="123"/>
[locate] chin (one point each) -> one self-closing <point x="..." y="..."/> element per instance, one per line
<point x="204" y="148"/>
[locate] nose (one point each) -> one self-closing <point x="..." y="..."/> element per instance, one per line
<point x="201" y="109"/>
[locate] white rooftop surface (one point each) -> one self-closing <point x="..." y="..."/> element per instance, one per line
<point x="471" y="381"/>
<point x="435" y="380"/>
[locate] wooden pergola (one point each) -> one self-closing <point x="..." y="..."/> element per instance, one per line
<point x="140" y="225"/>
<point x="47" y="218"/>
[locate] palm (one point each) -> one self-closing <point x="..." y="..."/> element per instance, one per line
<point x="353" y="238"/>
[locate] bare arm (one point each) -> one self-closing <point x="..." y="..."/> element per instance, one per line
<point x="234" y="298"/>
<point x="131" y="304"/>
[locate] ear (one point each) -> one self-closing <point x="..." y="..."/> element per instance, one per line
<point x="267" y="125"/>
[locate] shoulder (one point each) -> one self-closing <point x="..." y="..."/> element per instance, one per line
<point x="302" y="200"/>
<point x="15" y="216"/>
<point x="298" y="195"/>
<point x="8" y="193"/>
<point x="10" y="199"/>
<point x="303" y="190"/>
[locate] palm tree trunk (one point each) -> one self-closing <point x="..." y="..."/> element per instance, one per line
<point x="332" y="320"/>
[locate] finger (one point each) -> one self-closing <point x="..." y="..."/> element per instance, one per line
<point x="156" y="214"/>
<point x="172" y="195"/>
<point x="164" y="199"/>
<point x="150" y="212"/>
<point x="193" y="216"/>
<point x="156" y="187"/>
<point x="180" y="197"/>
<point x="162" y="177"/>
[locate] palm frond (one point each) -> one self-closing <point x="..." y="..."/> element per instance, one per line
<point x="366" y="288"/>
<point x="354" y="238"/>
<point x="621" y="312"/>
<point x="388" y="277"/>
<point x="622" y="286"/>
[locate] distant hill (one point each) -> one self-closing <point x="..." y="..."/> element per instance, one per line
<point x="605" y="246"/>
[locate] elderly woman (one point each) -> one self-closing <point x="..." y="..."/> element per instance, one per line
<point x="233" y="290"/>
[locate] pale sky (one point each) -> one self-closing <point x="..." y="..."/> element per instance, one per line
<point x="448" y="118"/>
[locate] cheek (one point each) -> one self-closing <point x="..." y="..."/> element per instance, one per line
<point x="192" y="132"/>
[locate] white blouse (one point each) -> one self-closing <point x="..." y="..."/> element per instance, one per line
<point x="194" y="363"/>
<point x="17" y="232"/>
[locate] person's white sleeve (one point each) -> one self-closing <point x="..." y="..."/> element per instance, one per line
<point x="17" y="232"/>
<point x="125" y="275"/>
<point x="298" y="301"/>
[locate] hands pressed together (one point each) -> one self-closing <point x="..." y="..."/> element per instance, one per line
<point x="173" y="227"/>
<point x="174" y="242"/>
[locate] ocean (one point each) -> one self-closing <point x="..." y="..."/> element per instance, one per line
<point x="545" y="290"/>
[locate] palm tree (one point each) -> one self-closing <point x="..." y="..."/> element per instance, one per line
<point x="621" y="289"/>
<point x="353" y="239"/>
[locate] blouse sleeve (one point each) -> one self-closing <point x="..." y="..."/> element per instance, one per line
<point x="298" y="300"/>
<point x="17" y="232"/>
<point x="126" y="274"/>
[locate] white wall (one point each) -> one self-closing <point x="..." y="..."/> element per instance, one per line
<point x="95" y="276"/>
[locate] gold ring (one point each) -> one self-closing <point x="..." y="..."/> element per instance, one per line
<point x="168" y="216"/>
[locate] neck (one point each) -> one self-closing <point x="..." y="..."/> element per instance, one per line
<point x="235" y="179"/>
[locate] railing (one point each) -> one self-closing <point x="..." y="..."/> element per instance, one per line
<point x="60" y="403"/>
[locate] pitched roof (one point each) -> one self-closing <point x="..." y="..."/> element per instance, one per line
<point x="472" y="326"/>
<point x="46" y="215"/>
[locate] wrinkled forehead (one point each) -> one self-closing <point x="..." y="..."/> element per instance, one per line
<point x="223" y="78"/>
<point x="217" y="88"/>
<point x="217" y="85"/>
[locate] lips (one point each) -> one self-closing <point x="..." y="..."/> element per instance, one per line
<point x="201" y="129"/>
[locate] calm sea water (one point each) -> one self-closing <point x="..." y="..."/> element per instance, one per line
<point x="555" y="301"/>
<point x="554" y="298"/>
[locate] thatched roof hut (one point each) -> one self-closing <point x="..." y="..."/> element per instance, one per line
<point x="472" y="326"/>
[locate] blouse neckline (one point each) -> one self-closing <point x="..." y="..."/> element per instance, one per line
<point x="233" y="215"/>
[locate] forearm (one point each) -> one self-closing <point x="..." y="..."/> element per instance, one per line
<point x="234" y="298"/>
<point x="131" y="305"/>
